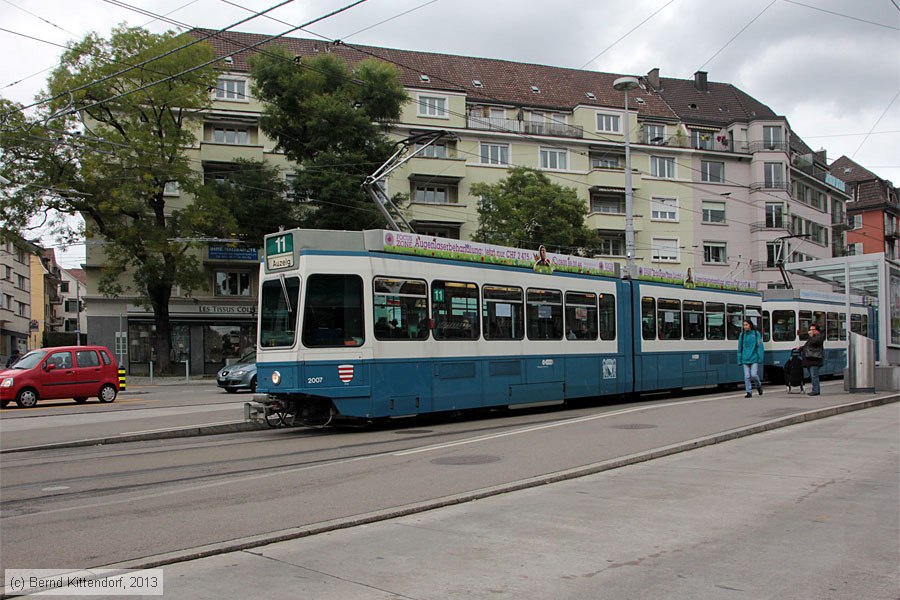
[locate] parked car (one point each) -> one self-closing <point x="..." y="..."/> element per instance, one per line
<point x="78" y="372"/>
<point x="240" y="375"/>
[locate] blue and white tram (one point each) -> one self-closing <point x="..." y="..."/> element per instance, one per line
<point x="788" y="315"/>
<point x="380" y="324"/>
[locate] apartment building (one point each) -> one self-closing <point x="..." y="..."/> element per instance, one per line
<point x="721" y="184"/>
<point x="72" y="289"/>
<point x="15" y="297"/>
<point x="46" y="302"/>
<point x="873" y="211"/>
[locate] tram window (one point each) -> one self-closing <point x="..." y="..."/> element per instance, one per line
<point x="856" y="324"/>
<point x="865" y="325"/>
<point x="820" y="321"/>
<point x="784" y="326"/>
<point x="753" y="314"/>
<point x="455" y="310"/>
<point x="693" y="320"/>
<point x="735" y="322"/>
<point x="333" y="315"/>
<point x="278" y="312"/>
<point x="400" y="308"/>
<point x="669" y="312"/>
<point x="804" y="322"/>
<point x="607" y="317"/>
<point x="581" y="316"/>
<point x="842" y="326"/>
<point x="503" y="313"/>
<point x="715" y="321"/>
<point x="831" y="326"/>
<point x="648" y="318"/>
<point x="767" y="326"/>
<point x="544" y="315"/>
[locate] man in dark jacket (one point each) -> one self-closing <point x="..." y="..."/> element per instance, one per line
<point x="813" y="355"/>
<point x="13" y="358"/>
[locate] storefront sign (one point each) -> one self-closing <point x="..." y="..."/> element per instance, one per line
<point x="233" y="253"/>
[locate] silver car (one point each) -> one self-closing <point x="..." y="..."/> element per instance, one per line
<point x="240" y="375"/>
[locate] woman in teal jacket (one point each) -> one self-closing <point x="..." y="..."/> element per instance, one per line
<point x="750" y="355"/>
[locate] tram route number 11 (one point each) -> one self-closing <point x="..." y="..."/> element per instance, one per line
<point x="280" y="251"/>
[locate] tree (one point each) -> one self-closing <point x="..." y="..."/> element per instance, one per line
<point x="332" y="121"/>
<point x="527" y="210"/>
<point x="255" y="194"/>
<point x="106" y="146"/>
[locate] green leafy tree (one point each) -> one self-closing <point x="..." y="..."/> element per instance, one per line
<point x="333" y="121"/>
<point x="527" y="210"/>
<point x="106" y="147"/>
<point x="255" y="194"/>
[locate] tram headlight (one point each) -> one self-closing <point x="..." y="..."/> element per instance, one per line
<point x="276" y="377"/>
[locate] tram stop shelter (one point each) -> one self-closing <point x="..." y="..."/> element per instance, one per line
<point x="876" y="278"/>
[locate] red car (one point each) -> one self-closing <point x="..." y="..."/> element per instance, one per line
<point x="77" y="372"/>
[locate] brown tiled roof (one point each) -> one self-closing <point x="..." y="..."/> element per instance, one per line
<point x="867" y="189"/>
<point x="849" y="171"/>
<point x="503" y="82"/>
<point x="720" y="105"/>
<point x="78" y="274"/>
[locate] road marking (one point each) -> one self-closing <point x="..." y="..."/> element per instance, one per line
<point x="55" y="488"/>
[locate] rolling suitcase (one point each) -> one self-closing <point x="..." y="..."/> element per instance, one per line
<point x="793" y="372"/>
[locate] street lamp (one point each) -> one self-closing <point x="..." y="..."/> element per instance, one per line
<point x="623" y="84"/>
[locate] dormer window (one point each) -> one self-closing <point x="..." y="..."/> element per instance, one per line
<point x="535" y="89"/>
<point x="424" y="78"/>
<point x="477" y="83"/>
<point x="590" y="95"/>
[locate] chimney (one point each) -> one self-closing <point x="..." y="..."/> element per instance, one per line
<point x="653" y="78"/>
<point x="700" y="81"/>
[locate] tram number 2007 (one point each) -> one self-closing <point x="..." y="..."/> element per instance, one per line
<point x="314" y="380"/>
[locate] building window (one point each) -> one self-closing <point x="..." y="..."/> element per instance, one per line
<point x="24" y="310"/>
<point x="664" y="209"/>
<point x="494" y="154"/>
<point x="654" y="134"/>
<point x="552" y="158"/>
<point x="63" y="286"/>
<point x="70" y="325"/>
<point x="771" y="255"/>
<point x="612" y="246"/>
<point x="228" y="135"/>
<point x="774" y="174"/>
<point x="433" y="150"/>
<point x="70" y="306"/>
<point x="712" y="171"/>
<point x="232" y="283"/>
<point x="713" y="212"/>
<point x="772" y="139"/>
<point x="432" y="106"/>
<point x="171" y="188"/>
<point x="608" y="123"/>
<point x="714" y="252"/>
<point x="774" y="215"/>
<point x="608" y="204"/>
<point x="605" y="162"/>
<point x="701" y="140"/>
<point x="231" y="89"/>
<point x="7" y="272"/>
<point x="431" y="194"/>
<point x="857" y="221"/>
<point x="665" y="249"/>
<point x="7" y="302"/>
<point x="661" y="166"/>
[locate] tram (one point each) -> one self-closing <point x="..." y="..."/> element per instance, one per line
<point x="788" y="315"/>
<point x="360" y="326"/>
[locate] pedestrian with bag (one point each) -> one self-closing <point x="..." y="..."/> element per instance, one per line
<point x="813" y="355"/>
<point x="750" y="356"/>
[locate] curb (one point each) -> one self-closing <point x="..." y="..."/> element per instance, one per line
<point x="410" y="509"/>
<point x="190" y="431"/>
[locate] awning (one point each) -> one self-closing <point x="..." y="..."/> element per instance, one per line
<point x="864" y="270"/>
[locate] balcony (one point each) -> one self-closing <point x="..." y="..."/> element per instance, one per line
<point x="891" y="231"/>
<point x="823" y="176"/>
<point x="612" y="178"/>
<point x="839" y="222"/>
<point x="768" y="146"/>
<point x="437" y="167"/>
<point x="774" y="225"/>
<point x="612" y="221"/>
<point x="769" y="185"/>
<point x="548" y="128"/>
<point x="227" y="153"/>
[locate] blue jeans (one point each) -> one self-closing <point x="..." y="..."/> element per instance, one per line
<point x="814" y="375"/>
<point x="751" y="374"/>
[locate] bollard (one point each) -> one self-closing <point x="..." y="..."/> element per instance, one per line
<point x="121" y="380"/>
<point x="151" y="372"/>
<point x="187" y="373"/>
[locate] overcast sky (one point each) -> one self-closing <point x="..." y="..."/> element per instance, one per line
<point x="832" y="67"/>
